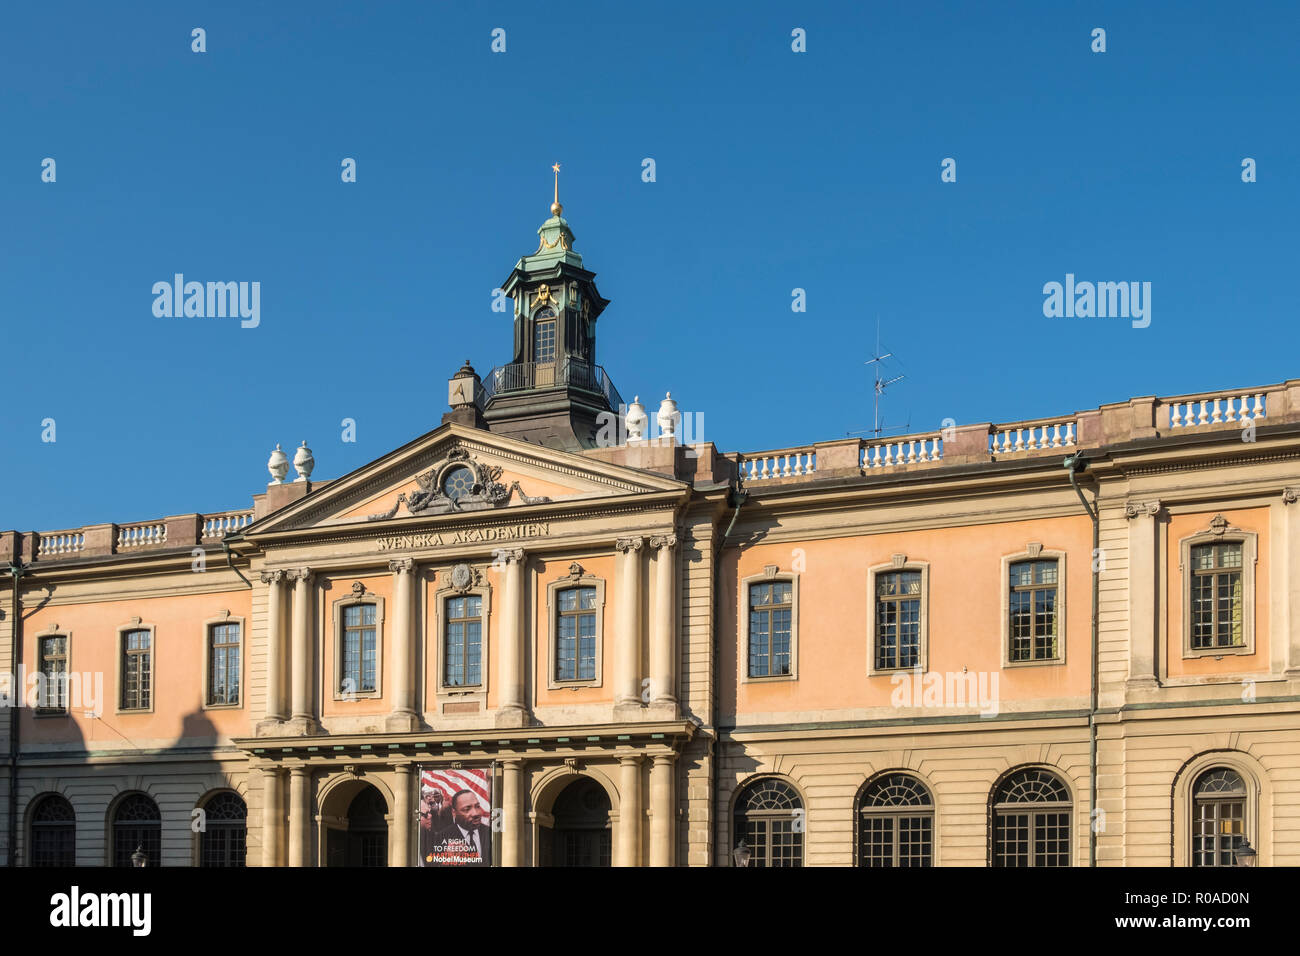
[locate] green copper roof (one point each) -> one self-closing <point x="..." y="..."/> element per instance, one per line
<point x="555" y="245"/>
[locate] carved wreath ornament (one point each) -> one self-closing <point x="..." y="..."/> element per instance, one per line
<point x="458" y="483"/>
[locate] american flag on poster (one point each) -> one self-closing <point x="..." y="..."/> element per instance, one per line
<point x="455" y="817"/>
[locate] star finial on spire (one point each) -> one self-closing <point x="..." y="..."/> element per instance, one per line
<point x="556" y="208"/>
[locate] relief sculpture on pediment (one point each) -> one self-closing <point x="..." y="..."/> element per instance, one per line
<point x="458" y="483"/>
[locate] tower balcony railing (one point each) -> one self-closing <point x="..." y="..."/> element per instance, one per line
<point x="565" y="370"/>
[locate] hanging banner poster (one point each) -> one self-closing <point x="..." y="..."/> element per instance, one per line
<point x="455" y="817"/>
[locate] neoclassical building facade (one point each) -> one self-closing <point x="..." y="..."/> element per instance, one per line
<point x="1050" y="642"/>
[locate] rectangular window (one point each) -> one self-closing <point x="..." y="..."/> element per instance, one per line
<point x="770" y="614"/>
<point x="1032" y="614"/>
<point x="54" y="675"/>
<point x="1217" y="605"/>
<point x="898" y="619"/>
<point x="358" y="671"/>
<point x="223" y="664"/>
<point x="137" y="672"/>
<point x="575" y="651"/>
<point x="463" y="648"/>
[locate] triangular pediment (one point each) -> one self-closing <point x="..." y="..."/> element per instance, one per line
<point x="456" y="470"/>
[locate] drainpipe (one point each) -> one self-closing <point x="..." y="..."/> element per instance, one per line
<point x="16" y="569"/>
<point x="225" y="546"/>
<point x="736" y="497"/>
<point x="1075" y="464"/>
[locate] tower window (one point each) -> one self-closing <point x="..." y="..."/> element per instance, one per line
<point x="544" y="336"/>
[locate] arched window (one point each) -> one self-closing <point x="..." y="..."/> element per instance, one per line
<point x="770" y="819"/>
<point x="137" y="823"/>
<point x="896" y="823"/>
<point x="544" y="336"/>
<point x="1031" y="820"/>
<point x="54" y="833"/>
<point x="1218" y="817"/>
<point x="223" y="841"/>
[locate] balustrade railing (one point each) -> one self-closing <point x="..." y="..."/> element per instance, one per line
<point x="793" y="463"/>
<point x="143" y="535"/>
<point x="1236" y="407"/>
<point x="226" y="522"/>
<point x="51" y="543"/>
<point x="907" y="450"/>
<point x="1032" y="436"/>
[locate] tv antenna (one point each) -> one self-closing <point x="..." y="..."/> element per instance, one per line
<point x="878" y="389"/>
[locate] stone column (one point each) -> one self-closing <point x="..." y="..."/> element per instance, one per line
<point x="512" y="806"/>
<point x="663" y="832"/>
<point x="303" y="720"/>
<point x="627" y="625"/>
<point x="629" y="811"/>
<point x="272" y="816"/>
<point x="663" y="642"/>
<point x="300" y="816"/>
<point x="1291" y="548"/>
<point x="275" y="713"/>
<point x="403" y="810"/>
<point x="1143" y="587"/>
<point x="511" y="711"/>
<point x="403" y="718"/>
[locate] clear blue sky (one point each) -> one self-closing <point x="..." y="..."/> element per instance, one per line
<point x="775" y="170"/>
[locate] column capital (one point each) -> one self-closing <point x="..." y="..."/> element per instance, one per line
<point x="1137" y="509"/>
<point x="401" y="565"/>
<point x="629" y="544"/>
<point x="665" y="760"/>
<point x="301" y="575"/>
<point x="663" y="541"/>
<point x="628" y="760"/>
<point x="273" y="577"/>
<point x="507" y="556"/>
<point x="302" y="770"/>
<point x="402" y="766"/>
<point x="512" y="763"/>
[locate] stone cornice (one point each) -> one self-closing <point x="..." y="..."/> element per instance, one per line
<point x="485" y="744"/>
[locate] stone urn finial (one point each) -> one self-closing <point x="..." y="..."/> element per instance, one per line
<point x="636" y="420"/>
<point x="667" y="417"/>
<point x="278" y="466"/>
<point x="303" y="462"/>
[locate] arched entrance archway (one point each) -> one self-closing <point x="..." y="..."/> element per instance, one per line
<point x="357" y="836"/>
<point x="580" y="834"/>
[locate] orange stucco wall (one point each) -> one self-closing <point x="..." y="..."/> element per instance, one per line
<point x="965" y="615"/>
<point x="179" y="642"/>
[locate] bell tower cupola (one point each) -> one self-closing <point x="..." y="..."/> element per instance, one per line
<point x="552" y="392"/>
